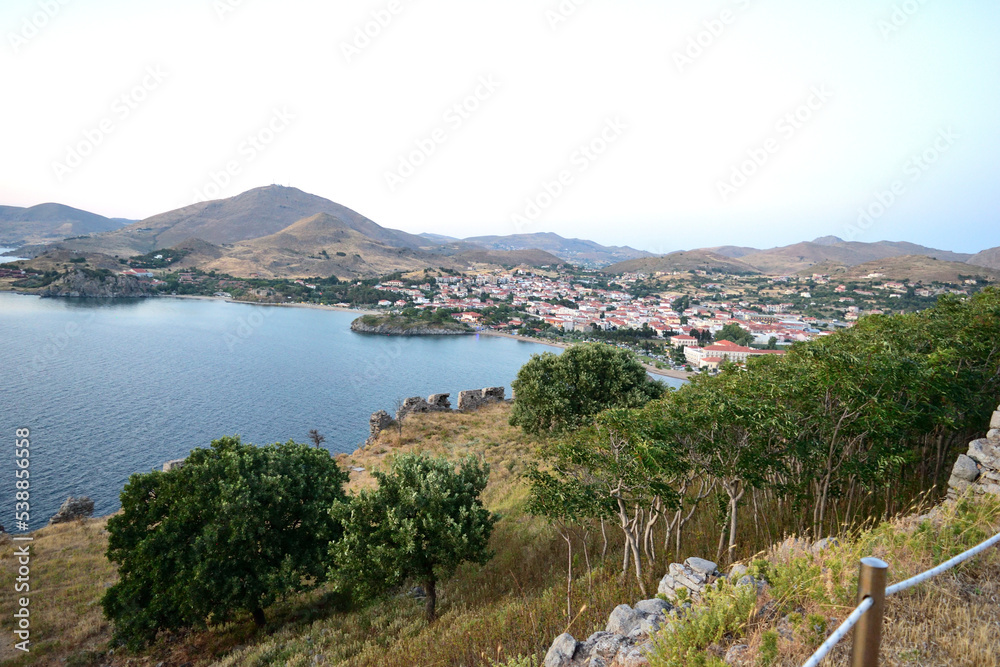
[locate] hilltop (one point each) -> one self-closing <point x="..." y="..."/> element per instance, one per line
<point x="692" y="260"/>
<point x="907" y="268"/>
<point x="988" y="258"/>
<point x="575" y="251"/>
<point x="800" y="256"/>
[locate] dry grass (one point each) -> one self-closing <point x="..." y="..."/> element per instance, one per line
<point x="516" y="603"/>
<point x="69" y="573"/>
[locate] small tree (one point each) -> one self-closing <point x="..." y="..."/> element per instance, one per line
<point x="316" y="437"/>
<point x="561" y="392"/>
<point x="424" y="519"/>
<point x="233" y="530"/>
<point x="736" y="334"/>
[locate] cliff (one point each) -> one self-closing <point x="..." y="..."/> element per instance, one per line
<point x="391" y="325"/>
<point x="98" y="285"/>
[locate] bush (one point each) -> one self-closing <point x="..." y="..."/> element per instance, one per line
<point x="558" y="392"/>
<point x="233" y="530"/>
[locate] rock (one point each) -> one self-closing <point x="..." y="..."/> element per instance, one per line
<point x="966" y="469"/>
<point x="995" y="421"/>
<point x="705" y="567"/>
<point x="736" y="655"/>
<point x="738" y="571"/>
<point x="604" y="647"/>
<point x="653" y="607"/>
<point x="173" y="465"/>
<point x="378" y="422"/>
<point x="411" y="405"/>
<point x="623" y="620"/>
<point x="982" y="451"/>
<point x="634" y="658"/>
<point x="477" y="398"/>
<point x="994" y="436"/>
<point x="648" y="626"/>
<point x="824" y="544"/>
<point x="561" y="652"/>
<point x="72" y="509"/>
<point x="666" y="587"/>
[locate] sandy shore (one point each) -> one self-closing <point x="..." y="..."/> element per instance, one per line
<point x="313" y="306"/>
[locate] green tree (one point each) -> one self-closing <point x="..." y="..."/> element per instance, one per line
<point x="424" y="519"/>
<point x="558" y="392"/>
<point x="235" y="529"/>
<point x="735" y="333"/>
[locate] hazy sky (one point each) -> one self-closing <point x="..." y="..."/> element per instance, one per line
<point x="661" y="124"/>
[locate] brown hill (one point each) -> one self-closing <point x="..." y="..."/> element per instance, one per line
<point x="254" y="214"/>
<point x="575" y="251"/>
<point x="319" y="245"/>
<point x="988" y="258"/>
<point x="691" y="260"/>
<point x="530" y="257"/>
<point x="46" y="223"/>
<point x="909" y="268"/>
<point x="801" y="256"/>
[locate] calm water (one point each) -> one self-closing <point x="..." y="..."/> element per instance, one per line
<point x="112" y="388"/>
<point x="4" y="260"/>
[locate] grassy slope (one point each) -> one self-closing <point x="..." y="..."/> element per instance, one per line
<point x="516" y="603"/>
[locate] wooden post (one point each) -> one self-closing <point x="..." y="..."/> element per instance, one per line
<point x="868" y="632"/>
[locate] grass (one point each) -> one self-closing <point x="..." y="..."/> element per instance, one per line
<point x="507" y="612"/>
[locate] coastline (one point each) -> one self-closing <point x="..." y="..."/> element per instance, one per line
<point x="313" y="306"/>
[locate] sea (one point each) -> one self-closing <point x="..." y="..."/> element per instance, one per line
<point x="108" y="388"/>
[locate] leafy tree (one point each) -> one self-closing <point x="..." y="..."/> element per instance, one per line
<point x="424" y="519"/>
<point x="235" y="529"/>
<point x="735" y="333"/>
<point x="558" y="392"/>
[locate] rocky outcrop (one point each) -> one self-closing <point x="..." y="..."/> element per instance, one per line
<point x="978" y="470"/>
<point x="477" y="398"/>
<point x="687" y="580"/>
<point x="433" y="403"/>
<point x="96" y="286"/>
<point x="173" y="465"/>
<point x="397" y="326"/>
<point x="73" y="509"/>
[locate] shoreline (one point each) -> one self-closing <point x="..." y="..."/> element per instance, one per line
<point x="313" y="306"/>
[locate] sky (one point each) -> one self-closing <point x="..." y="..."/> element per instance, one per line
<point x="660" y="124"/>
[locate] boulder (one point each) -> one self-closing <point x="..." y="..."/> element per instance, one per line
<point x="705" y="567"/>
<point x="737" y="571"/>
<point x="966" y="469"/>
<point x="561" y="653"/>
<point x="995" y="421"/>
<point x="73" y="509"/>
<point x="824" y="544"/>
<point x="984" y="452"/>
<point x="602" y="646"/>
<point x="736" y="655"/>
<point x="994" y="436"/>
<point x="653" y="607"/>
<point x="623" y="620"/>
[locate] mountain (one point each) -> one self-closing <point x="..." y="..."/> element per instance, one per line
<point x="909" y="268"/>
<point x="690" y="260"/>
<point x="575" y="251"/>
<point x="801" y="256"/>
<point x="46" y="223"/>
<point x="988" y="258"/>
<point x="254" y="214"/>
<point x="319" y="245"/>
<point x="733" y="251"/>
<point x="530" y="257"/>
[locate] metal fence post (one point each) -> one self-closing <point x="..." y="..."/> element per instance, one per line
<point x="868" y="632"/>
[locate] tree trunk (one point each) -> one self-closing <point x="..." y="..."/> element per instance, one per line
<point x="258" y="617"/>
<point x="569" y="578"/>
<point x="430" y="604"/>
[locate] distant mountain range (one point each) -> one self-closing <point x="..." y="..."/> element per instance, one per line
<point x="50" y="222"/>
<point x="823" y="255"/>
<point x="285" y="232"/>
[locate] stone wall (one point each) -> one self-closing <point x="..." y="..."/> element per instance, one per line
<point x="467" y="400"/>
<point x="979" y="468"/>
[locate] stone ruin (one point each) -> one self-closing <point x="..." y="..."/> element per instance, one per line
<point x="73" y="509"/>
<point x="467" y="401"/>
<point x="173" y="465"/>
<point x="979" y="468"/>
<point x="477" y="398"/>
